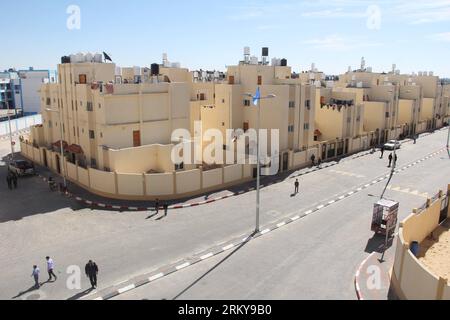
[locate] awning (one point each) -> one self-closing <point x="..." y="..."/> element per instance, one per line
<point x="58" y="144"/>
<point x="74" y="148"/>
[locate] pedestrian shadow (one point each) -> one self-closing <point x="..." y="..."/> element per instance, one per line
<point x="151" y="216"/>
<point x="160" y="218"/>
<point x="214" y="267"/>
<point x="81" y="294"/>
<point x="32" y="288"/>
<point x="293" y="194"/>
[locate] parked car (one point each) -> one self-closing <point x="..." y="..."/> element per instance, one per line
<point x="391" y="144"/>
<point x="21" y="167"/>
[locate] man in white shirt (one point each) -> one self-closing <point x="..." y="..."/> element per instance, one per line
<point x="35" y="274"/>
<point x="50" y="267"/>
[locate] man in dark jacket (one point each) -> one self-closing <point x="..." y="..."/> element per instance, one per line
<point x="91" y="270"/>
<point x="390" y="160"/>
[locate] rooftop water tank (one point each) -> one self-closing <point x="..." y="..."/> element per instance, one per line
<point x="136" y="70"/>
<point x="98" y="57"/>
<point x="253" y="60"/>
<point x="79" y="57"/>
<point x="73" y="58"/>
<point x="89" y="57"/>
<point x="118" y="71"/>
<point x="283" y="62"/>
<point x="247" y="51"/>
<point x="154" y="69"/>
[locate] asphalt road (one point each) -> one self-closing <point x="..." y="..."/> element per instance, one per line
<point x="314" y="257"/>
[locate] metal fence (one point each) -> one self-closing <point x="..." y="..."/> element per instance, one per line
<point x="19" y="124"/>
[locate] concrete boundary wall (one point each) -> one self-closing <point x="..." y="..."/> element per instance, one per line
<point x="410" y="278"/>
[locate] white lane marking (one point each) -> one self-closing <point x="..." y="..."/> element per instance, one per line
<point x="127" y="288"/>
<point x="295" y="218"/>
<point x="228" y="247"/>
<point x="350" y="193"/>
<point x="332" y="201"/>
<point x="320" y="207"/>
<point x="308" y="212"/>
<point x="341" y="197"/>
<point x="281" y="224"/>
<point x="99" y="298"/>
<point x="181" y="266"/>
<point x="265" y="231"/>
<point x="206" y="256"/>
<point x="359" y="189"/>
<point x="156" y="276"/>
<point x="367" y="185"/>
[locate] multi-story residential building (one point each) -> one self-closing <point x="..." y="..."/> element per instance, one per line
<point x="116" y="124"/>
<point x="10" y="93"/>
<point x="20" y="89"/>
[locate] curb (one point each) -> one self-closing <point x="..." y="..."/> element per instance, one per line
<point x="131" y="284"/>
<point x="357" y="274"/>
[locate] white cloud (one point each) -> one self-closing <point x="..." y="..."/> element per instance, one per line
<point x="337" y="42"/>
<point x="444" y="36"/>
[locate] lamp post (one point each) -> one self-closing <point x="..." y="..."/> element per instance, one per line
<point x="258" y="165"/>
<point x="10" y="129"/>
<point x="61" y="161"/>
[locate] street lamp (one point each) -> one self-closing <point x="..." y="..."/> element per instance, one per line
<point x="61" y="161"/>
<point x="258" y="166"/>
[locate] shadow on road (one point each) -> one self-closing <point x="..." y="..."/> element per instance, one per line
<point x="377" y="244"/>
<point x="81" y="294"/>
<point x="214" y="267"/>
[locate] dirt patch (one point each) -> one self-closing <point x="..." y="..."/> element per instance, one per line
<point x="435" y="251"/>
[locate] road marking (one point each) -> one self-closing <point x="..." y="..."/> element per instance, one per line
<point x="367" y="185"/>
<point x="206" y="256"/>
<point x="156" y="276"/>
<point x="341" y="197"/>
<point x="127" y="288"/>
<point x="350" y="193"/>
<point x="359" y="189"/>
<point x="99" y="298"/>
<point x="295" y="218"/>
<point x="281" y="224"/>
<point x="320" y="207"/>
<point x="308" y="212"/>
<point x="265" y="231"/>
<point x="228" y="247"/>
<point x="184" y="265"/>
<point x="332" y="201"/>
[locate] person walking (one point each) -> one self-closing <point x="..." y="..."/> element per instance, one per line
<point x="157" y="206"/>
<point x="9" y="181"/>
<point x="14" y="180"/>
<point x="50" y="267"/>
<point x="414" y="139"/>
<point x="382" y="152"/>
<point x="296" y="184"/>
<point x="319" y="162"/>
<point x="91" y="271"/>
<point x="35" y="275"/>
<point x="166" y="207"/>
<point x="395" y="160"/>
<point x="313" y="159"/>
<point x="390" y="160"/>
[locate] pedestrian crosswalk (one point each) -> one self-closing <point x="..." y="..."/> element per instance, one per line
<point x="348" y="174"/>
<point x="408" y="190"/>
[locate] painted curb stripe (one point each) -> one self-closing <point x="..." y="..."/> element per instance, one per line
<point x="181" y="266"/>
<point x="127" y="288"/>
<point x="156" y="276"/>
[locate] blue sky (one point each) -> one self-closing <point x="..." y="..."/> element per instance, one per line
<point x="211" y="34"/>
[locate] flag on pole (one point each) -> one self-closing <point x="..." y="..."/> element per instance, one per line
<point x="256" y="97"/>
<point x="107" y="57"/>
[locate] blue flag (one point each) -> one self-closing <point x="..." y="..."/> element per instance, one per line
<point x="256" y="97"/>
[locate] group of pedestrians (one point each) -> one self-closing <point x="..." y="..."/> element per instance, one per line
<point x="313" y="161"/>
<point x="165" y="207"/>
<point x="91" y="270"/>
<point x="11" y="180"/>
<point x="391" y="157"/>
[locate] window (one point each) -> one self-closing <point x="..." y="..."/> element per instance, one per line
<point x="81" y="103"/>
<point x="48" y="101"/>
<point x="247" y="103"/>
<point x="223" y="100"/>
<point x="72" y="105"/>
<point x="259" y="80"/>
<point x="306" y="126"/>
<point x="89" y="106"/>
<point x="74" y="131"/>
<point x="99" y="105"/>
<point x="78" y="132"/>
<point x="387" y="114"/>
<point x="93" y="163"/>
<point x="223" y="124"/>
<point x="308" y="104"/>
<point x="291" y="104"/>
<point x="179" y="166"/>
<point x="91" y="134"/>
<point x="349" y="120"/>
<point x="291" y="128"/>
<point x="17" y="87"/>
<point x="101" y="134"/>
<point x="49" y="123"/>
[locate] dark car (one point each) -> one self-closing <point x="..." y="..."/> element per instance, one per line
<point x="21" y="167"/>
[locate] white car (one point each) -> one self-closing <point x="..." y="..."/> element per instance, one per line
<point x="392" y="144"/>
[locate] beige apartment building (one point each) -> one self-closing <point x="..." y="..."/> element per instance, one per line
<point x="117" y="123"/>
